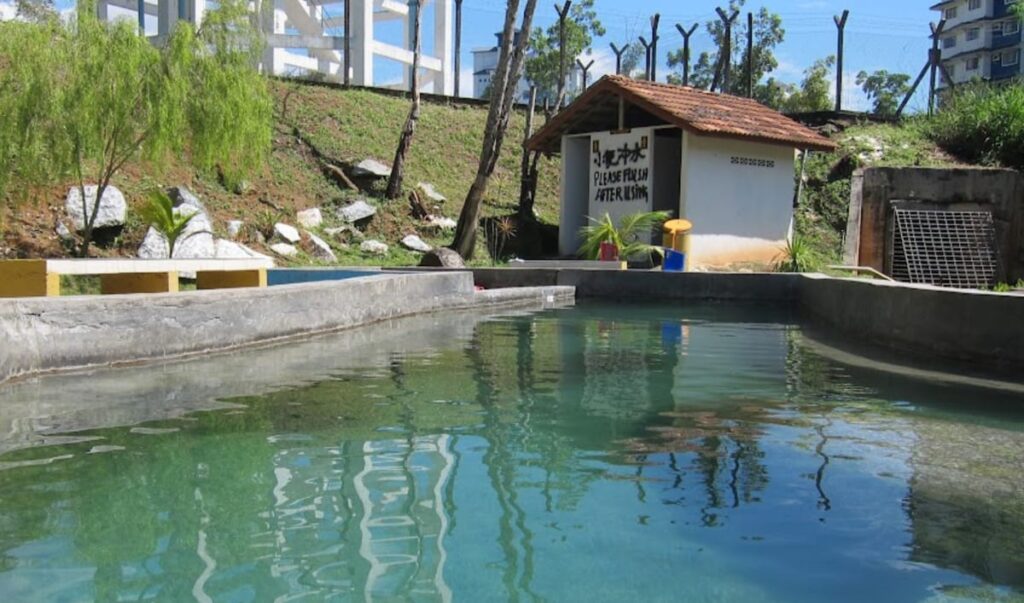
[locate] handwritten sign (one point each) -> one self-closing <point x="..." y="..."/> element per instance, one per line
<point x="621" y="178"/>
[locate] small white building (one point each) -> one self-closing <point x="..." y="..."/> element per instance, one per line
<point x="722" y="162"/>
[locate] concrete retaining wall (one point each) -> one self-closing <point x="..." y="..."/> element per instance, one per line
<point x="978" y="327"/>
<point x="40" y="334"/>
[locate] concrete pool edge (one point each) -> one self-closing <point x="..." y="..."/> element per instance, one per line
<point x="980" y="328"/>
<point x="42" y="335"/>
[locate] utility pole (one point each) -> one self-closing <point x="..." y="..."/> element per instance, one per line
<point x="934" y="62"/>
<point x="647" y="58"/>
<point x="750" y="55"/>
<point x="935" y="59"/>
<point x="618" y="57"/>
<point x="686" y="51"/>
<point x="726" y="50"/>
<point x="458" y="43"/>
<point x="585" y="69"/>
<point x="841" y="26"/>
<point x="563" y="13"/>
<point x="655" y="20"/>
<point x="347" y="18"/>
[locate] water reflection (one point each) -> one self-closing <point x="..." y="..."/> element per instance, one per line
<point x="601" y="453"/>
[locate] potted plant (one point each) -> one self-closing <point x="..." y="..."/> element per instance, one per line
<point x="604" y="240"/>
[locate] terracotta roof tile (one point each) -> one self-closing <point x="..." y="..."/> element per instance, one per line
<point x="691" y="109"/>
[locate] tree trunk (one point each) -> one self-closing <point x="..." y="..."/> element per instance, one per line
<point x="405" y="141"/>
<point x="526" y="188"/>
<point x="510" y="64"/>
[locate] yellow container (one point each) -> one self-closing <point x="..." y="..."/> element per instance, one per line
<point x="677" y="235"/>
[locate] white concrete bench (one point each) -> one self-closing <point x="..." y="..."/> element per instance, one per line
<point x="32" y="278"/>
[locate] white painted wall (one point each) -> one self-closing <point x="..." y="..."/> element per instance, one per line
<point x="740" y="213"/>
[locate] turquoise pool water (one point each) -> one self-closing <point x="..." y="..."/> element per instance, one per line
<point x="602" y="453"/>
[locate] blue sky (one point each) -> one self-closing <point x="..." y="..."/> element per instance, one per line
<point x="881" y="34"/>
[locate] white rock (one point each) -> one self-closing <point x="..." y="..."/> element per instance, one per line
<point x="441" y="223"/>
<point x="63" y="232"/>
<point x="183" y="197"/>
<point x="113" y="207"/>
<point x="355" y="212"/>
<point x="230" y="250"/>
<point x="416" y="244"/>
<point x="431" y="193"/>
<point x="321" y="250"/>
<point x="371" y="167"/>
<point x="196" y="242"/>
<point x="235" y="228"/>
<point x="287" y="232"/>
<point x="284" y="250"/>
<point x="310" y="218"/>
<point x="374" y="247"/>
<point x="345" y="232"/>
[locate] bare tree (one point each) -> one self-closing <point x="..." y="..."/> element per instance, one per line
<point x="405" y="141"/>
<point x="503" y="93"/>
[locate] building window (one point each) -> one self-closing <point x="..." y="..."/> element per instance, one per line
<point x="1011" y="58"/>
<point x="1011" y="27"/>
<point x="951" y="13"/>
<point x="973" y="63"/>
<point x="949" y="42"/>
<point x="973" y="34"/>
<point x="973" y="4"/>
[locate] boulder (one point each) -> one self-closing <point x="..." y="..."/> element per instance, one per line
<point x="112" y="211"/>
<point x="63" y="232"/>
<point x="371" y="168"/>
<point x="288" y="233"/>
<point x="284" y="250"/>
<point x="344" y="233"/>
<point x="429" y="192"/>
<point x="442" y="257"/>
<point x="230" y="250"/>
<point x="321" y="250"/>
<point x="310" y="218"/>
<point x="235" y="228"/>
<point x="415" y="243"/>
<point x="441" y="223"/>
<point x="183" y="197"/>
<point x="374" y="247"/>
<point x="357" y="212"/>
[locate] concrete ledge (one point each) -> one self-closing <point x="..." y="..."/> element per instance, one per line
<point x="51" y="334"/>
<point x="977" y="327"/>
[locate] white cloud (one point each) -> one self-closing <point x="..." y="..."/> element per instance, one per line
<point x="8" y="11"/>
<point x="854" y="98"/>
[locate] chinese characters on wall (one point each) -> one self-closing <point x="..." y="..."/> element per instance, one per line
<point x="621" y="173"/>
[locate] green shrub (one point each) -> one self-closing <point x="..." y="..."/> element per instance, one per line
<point x="982" y="123"/>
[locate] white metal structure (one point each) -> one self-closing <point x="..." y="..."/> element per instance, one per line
<point x="308" y="37"/>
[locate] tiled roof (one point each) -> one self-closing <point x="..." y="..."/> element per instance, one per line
<point x="697" y="111"/>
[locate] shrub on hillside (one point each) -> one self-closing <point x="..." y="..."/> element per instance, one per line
<point x="983" y="123"/>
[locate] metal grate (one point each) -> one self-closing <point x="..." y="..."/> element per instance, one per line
<point x="944" y="248"/>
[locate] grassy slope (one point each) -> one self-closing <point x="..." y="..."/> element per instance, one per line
<point x="822" y="215"/>
<point x="348" y="125"/>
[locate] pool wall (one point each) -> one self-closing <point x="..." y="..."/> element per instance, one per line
<point x="49" y="334"/>
<point x="978" y="327"/>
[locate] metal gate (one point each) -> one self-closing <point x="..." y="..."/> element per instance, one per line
<point x="944" y="248"/>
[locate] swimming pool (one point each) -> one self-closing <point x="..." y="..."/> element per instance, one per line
<point x="598" y="453"/>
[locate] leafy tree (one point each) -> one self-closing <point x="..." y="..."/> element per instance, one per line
<point x="768" y="34"/>
<point x="632" y="60"/>
<point x="93" y="96"/>
<point x="36" y="11"/>
<point x="775" y="94"/>
<point x="885" y="89"/>
<point x="506" y="80"/>
<point x="542" y="67"/>
<point x="159" y="213"/>
<point x="815" y="89"/>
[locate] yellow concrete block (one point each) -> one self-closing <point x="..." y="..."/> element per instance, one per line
<point x="27" y="278"/>
<point x="151" y="282"/>
<point x="232" y="279"/>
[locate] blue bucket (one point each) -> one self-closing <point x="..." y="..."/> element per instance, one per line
<point x="675" y="261"/>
